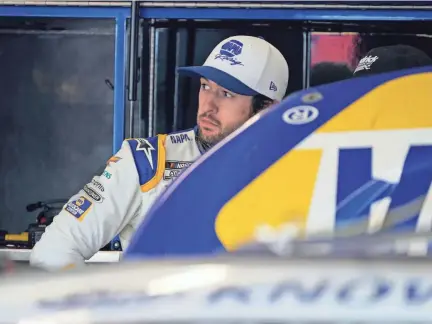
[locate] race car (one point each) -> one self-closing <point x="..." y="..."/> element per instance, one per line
<point x="226" y="289"/>
<point x="310" y="209"/>
<point x="345" y="159"/>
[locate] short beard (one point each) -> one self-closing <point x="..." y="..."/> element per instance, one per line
<point x="214" y="139"/>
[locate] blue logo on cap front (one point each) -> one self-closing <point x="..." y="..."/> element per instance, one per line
<point x="229" y="51"/>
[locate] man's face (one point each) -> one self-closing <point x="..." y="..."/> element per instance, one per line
<point x="220" y="112"/>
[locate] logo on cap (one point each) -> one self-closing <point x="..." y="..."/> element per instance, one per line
<point x="272" y="86"/>
<point x="229" y="51"/>
<point x="365" y="63"/>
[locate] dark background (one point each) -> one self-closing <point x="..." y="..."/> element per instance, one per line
<point x="56" y="119"/>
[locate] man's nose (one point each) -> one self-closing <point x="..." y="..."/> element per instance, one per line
<point x="210" y="104"/>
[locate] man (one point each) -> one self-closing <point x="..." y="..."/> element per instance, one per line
<point x="391" y="58"/>
<point x="328" y="72"/>
<point x="242" y="75"/>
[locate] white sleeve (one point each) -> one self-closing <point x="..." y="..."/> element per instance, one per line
<point x="92" y="217"/>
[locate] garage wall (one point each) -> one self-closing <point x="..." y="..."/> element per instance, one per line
<point x="56" y="110"/>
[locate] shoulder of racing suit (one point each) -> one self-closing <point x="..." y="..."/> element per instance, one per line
<point x="149" y="157"/>
<point x="150" y="154"/>
<point x="112" y="200"/>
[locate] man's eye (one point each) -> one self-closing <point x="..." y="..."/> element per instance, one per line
<point x="227" y="94"/>
<point x="204" y="86"/>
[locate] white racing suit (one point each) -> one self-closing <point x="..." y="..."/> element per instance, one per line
<point x="116" y="201"/>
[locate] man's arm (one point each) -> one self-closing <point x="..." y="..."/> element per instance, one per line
<point x="93" y="216"/>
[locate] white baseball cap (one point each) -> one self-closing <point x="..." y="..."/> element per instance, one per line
<point x="245" y="65"/>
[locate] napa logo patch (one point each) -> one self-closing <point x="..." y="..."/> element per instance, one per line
<point x="180" y="138"/>
<point x="79" y="207"/>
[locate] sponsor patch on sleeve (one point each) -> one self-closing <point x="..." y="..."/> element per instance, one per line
<point x="78" y="207"/>
<point x="174" y="168"/>
<point x="97" y="185"/>
<point x="93" y="194"/>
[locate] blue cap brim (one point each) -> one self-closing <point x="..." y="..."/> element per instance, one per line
<point x="221" y="78"/>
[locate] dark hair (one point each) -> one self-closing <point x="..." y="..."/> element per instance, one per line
<point x="328" y="72"/>
<point x="259" y="102"/>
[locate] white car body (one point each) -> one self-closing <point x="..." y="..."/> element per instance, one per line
<point x="226" y="289"/>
